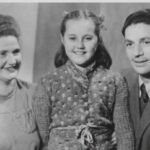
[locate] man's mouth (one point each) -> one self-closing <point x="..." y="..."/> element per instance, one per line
<point x="140" y="62"/>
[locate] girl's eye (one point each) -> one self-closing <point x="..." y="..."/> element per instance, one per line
<point x="88" y="38"/>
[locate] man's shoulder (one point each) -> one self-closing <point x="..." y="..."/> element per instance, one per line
<point x="130" y="75"/>
<point x="128" y="72"/>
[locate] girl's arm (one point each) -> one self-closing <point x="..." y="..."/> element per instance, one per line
<point x="42" y="110"/>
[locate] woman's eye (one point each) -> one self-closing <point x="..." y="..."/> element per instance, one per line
<point x="16" y="51"/>
<point x="129" y="44"/>
<point x="3" y="53"/>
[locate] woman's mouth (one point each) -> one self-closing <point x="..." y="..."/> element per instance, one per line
<point x="11" y="69"/>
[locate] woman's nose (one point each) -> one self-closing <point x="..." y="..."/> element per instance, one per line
<point x="11" y="59"/>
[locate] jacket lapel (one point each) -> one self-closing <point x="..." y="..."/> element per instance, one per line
<point x="144" y="122"/>
<point x="133" y="86"/>
<point x="134" y="101"/>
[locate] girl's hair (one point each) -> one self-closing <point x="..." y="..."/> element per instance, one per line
<point x="101" y="56"/>
<point x="141" y="16"/>
<point x="9" y="26"/>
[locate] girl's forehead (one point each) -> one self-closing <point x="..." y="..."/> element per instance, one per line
<point x="80" y="22"/>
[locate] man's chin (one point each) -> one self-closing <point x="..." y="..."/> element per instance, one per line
<point x="143" y="73"/>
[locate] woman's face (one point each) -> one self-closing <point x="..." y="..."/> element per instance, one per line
<point x="10" y="57"/>
<point x="80" y="41"/>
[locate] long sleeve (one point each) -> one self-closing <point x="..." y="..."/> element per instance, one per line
<point x="42" y="110"/>
<point x="123" y="126"/>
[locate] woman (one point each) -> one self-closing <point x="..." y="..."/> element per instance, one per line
<point x="87" y="101"/>
<point x="18" y="128"/>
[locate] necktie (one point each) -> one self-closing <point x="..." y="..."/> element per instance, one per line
<point x="144" y="95"/>
<point x="143" y="99"/>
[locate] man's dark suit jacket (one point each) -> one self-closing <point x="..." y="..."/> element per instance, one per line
<point x="141" y="124"/>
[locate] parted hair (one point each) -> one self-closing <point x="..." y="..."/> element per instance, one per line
<point x="141" y="16"/>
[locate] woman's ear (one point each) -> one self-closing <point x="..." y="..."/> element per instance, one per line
<point x="62" y="39"/>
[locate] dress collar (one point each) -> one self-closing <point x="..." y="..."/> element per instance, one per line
<point x="81" y="76"/>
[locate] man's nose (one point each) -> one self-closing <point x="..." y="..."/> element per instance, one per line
<point x="138" y="50"/>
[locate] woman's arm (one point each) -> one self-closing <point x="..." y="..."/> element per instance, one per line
<point x="42" y="110"/>
<point x="121" y="117"/>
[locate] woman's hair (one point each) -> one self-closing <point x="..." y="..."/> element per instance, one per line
<point x="9" y="26"/>
<point x="101" y="56"/>
<point x="141" y="16"/>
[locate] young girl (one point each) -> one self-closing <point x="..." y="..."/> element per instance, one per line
<point x="85" y="102"/>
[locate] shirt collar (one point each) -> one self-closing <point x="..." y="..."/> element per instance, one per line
<point x="147" y="86"/>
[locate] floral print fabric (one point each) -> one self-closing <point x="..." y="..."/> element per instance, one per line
<point x="82" y="108"/>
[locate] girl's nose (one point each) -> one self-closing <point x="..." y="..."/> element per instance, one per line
<point x="80" y="44"/>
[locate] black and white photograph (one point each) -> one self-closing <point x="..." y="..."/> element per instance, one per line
<point x="74" y="75"/>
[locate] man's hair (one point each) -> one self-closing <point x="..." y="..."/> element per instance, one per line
<point x="141" y="16"/>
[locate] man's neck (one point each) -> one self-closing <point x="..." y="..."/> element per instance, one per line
<point x="145" y="79"/>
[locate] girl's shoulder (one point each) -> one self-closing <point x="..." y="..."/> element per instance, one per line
<point x="104" y="74"/>
<point x="55" y="75"/>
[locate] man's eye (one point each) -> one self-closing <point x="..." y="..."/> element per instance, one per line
<point x="146" y="42"/>
<point x="72" y="38"/>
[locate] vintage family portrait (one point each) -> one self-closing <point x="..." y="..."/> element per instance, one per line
<point x="74" y="76"/>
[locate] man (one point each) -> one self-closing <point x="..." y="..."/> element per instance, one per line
<point x="136" y="31"/>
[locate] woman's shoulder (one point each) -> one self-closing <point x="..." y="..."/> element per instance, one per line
<point x="21" y="84"/>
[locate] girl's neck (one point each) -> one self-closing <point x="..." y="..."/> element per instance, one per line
<point x="6" y="88"/>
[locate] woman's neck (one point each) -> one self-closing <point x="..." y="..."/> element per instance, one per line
<point x="6" y="88"/>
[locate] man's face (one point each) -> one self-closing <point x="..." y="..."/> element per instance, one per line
<point x="137" y="40"/>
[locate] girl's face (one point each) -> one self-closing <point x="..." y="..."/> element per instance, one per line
<point x="10" y="58"/>
<point x="80" y="41"/>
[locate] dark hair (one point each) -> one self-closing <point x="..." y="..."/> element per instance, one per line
<point x="9" y="26"/>
<point x="101" y="56"/>
<point x="141" y="16"/>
